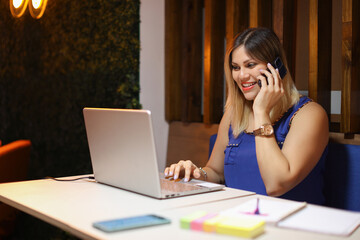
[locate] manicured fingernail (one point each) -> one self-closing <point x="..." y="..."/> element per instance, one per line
<point x="269" y="64"/>
<point x="170" y="173"/>
<point x="175" y="177"/>
<point x="261" y="70"/>
<point x="166" y="174"/>
<point x="277" y="70"/>
<point x="186" y="179"/>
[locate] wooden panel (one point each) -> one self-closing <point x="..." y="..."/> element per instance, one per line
<point x="284" y="25"/>
<point x="192" y="54"/>
<point x="313" y="49"/>
<point x="189" y="141"/>
<point x="320" y="52"/>
<point x="237" y="18"/>
<point x="260" y="13"/>
<point x="173" y="59"/>
<point x="289" y="33"/>
<point x="253" y="13"/>
<point x="278" y="18"/>
<point x="265" y="13"/>
<point x="355" y="83"/>
<point x="350" y="98"/>
<point x="214" y="60"/>
<point x="324" y="54"/>
<point x="346" y="65"/>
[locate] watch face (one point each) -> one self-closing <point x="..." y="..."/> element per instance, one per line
<point x="268" y="130"/>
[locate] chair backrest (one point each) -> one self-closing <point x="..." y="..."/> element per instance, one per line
<point x="14" y="161"/>
<point x="342" y="176"/>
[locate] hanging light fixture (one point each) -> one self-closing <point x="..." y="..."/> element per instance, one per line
<point x="37" y="8"/>
<point x="18" y="7"/>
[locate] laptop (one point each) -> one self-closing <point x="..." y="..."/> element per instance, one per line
<point x="123" y="154"/>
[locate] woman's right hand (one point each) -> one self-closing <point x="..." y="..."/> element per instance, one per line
<point x="184" y="168"/>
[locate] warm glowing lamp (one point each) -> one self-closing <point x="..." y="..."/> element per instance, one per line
<point x="18" y="7"/>
<point x="17" y="3"/>
<point x="37" y="8"/>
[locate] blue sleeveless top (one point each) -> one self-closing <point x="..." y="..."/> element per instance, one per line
<point x="241" y="169"/>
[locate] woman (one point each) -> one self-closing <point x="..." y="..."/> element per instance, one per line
<point x="270" y="139"/>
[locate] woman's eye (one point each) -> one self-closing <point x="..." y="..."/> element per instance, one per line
<point x="235" y="67"/>
<point x="251" y="65"/>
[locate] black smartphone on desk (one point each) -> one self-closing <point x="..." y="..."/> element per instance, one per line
<point x="121" y="224"/>
<point x="277" y="64"/>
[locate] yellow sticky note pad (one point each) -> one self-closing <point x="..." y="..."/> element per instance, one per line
<point x="186" y="220"/>
<point x="241" y="227"/>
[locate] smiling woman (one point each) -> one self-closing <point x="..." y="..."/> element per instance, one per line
<point x="271" y="140"/>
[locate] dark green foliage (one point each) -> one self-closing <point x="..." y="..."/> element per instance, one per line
<point x="80" y="53"/>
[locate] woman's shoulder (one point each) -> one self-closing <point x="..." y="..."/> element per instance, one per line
<point x="304" y="110"/>
<point x="311" y="111"/>
<point x="311" y="107"/>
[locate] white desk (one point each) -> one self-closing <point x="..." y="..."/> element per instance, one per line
<point x="74" y="206"/>
<point x="271" y="232"/>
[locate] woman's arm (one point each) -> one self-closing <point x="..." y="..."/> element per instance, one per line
<point x="281" y="170"/>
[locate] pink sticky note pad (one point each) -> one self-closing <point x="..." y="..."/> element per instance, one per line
<point x="197" y="224"/>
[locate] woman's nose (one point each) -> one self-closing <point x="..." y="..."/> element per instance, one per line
<point x="243" y="75"/>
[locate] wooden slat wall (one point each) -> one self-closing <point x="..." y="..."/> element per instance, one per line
<point x="192" y="60"/>
<point x="346" y="64"/>
<point x="197" y="32"/>
<point x="214" y="43"/>
<point x="320" y="52"/>
<point x="237" y="18"/>
<point x="313" y="49"/>
<point x="253" y="13"/>
<point x="265" y="13"/>
<point x="350" y="98"/>
<point x="284" y="25"/>
<point x="355" y="83"/>
<point x="183" y="54"/>
<point x="289" y="33"/>
<point x="173" y="59"/>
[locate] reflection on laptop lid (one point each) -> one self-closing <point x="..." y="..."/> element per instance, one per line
<point x="123" y="154"/>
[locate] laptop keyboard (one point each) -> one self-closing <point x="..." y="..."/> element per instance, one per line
<point x="172" y="186"/>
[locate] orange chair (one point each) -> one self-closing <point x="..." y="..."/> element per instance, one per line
<point x="14" y="162"/>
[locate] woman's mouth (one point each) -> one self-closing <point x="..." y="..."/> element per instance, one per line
<point x="248" y="85"/>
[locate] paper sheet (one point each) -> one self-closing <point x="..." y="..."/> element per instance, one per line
<point x="270" y="211"/>
<point x="323" y="220"/>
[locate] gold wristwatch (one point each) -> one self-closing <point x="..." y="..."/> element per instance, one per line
<point x="264" y="130"/>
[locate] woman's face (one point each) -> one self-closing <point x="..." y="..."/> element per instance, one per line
<point x="245" y="71"/>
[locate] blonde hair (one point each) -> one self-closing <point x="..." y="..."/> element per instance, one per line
<point x="263" y="45"/>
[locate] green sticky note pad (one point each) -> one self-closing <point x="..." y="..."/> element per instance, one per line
<point x="186" y="220"/>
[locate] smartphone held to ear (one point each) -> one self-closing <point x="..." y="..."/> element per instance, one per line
<point x="278" y="64"/>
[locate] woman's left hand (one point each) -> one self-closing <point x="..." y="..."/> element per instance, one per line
<point x="271" y="91"/>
